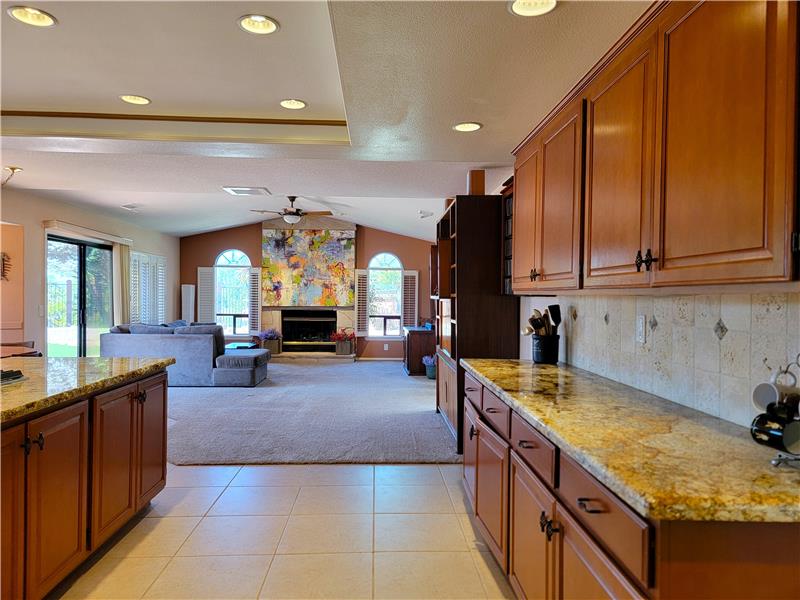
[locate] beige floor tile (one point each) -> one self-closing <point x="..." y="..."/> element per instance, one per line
<point x="459" y="498"/>
<point x="201" y="476"/>
<point x="396" y="533"/>
<point x="275" y="500"/>
<point x="426" y="575"/>
<point x="231" y="536"/>
<point x="412" y="499"/>
<point x="304" y="576"/>
<point x="492" y="577"/>
<point x="155" y="537"/>
<point x="452" y="474"/>
<point x="471" y="533"/>
<point x="407" y="475"/>
<point x="170" y="466"/>
<point x="333" y="499"/>
<point x="116" y="578"/>
<point x="211" y="577"/>
<point x="183" y="502"/>
<point x="299" y="475"/>
<point x="321" y="534"/>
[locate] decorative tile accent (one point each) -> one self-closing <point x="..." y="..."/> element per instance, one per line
<point x="720" y="329"/>
<point x="605" y="318"/>
<point x="653" y="323"/>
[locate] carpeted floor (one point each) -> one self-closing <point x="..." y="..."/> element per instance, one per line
<point x="312" y="412"/>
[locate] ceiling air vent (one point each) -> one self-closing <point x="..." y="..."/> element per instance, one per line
<point x="246" y="191"/>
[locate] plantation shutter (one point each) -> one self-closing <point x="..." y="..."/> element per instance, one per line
<point x="362" y="288"/>
<point x="206" y="282"/>
<point x="160" y="280"/>
<point x="254" y="300"/>
<point x="146" y="312"/>
<point x="410" y="298"/>
<point x="135" y="283"/>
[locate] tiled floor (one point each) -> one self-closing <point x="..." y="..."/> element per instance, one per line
<point x="301" y="531"/>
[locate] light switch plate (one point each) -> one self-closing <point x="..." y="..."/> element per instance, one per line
<point x="386" y="346"/>
<point x="641" y="329"/>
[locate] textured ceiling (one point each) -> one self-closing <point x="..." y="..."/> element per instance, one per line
<point x="408" y="70"/>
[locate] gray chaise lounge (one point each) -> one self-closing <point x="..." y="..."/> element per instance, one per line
<point x="199" y="351"/>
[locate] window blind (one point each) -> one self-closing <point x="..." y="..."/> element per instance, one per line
<point x="148" y="288"/>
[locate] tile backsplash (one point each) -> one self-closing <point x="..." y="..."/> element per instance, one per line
<point x="703" y="351"/>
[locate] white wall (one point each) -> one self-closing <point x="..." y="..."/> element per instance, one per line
<point x="28" y="209"/>
<point x="704" y="351"/>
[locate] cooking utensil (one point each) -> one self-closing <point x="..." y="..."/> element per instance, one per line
<point x="555" y="314"/>
<point x="548" y="322"/>
<point x="538" y="324"/>
<point x="527" y="330"/>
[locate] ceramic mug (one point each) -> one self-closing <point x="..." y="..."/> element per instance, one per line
<point x="776" y="432"/>
<point x="773" y="392"/>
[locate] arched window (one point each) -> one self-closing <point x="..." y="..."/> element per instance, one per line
<point x="232" y="270"/>
<point x="384" y="295"/>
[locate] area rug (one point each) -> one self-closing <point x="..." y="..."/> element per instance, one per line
<point x="312" y="412"/>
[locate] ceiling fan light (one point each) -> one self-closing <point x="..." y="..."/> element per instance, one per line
<point x="292" y="219"/>
<point x="32" y="16"/>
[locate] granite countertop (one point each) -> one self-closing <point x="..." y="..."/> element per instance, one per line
<point x="53" y="381"/>
<point x="668" y="462"/>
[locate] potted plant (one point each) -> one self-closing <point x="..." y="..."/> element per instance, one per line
<point x="345" y="340"/>
<point x="430" y="366"/>
<point x="270" y="339"/>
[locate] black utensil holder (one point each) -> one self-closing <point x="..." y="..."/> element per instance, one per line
<point x="545" y="349"/>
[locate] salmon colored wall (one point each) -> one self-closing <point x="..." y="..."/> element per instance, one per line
<point x="415" y="256"/>
<point x="12" y="289"/>
<point x="201" y="250"/>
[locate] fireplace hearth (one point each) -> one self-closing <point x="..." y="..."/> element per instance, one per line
<point x="308" y="330"/>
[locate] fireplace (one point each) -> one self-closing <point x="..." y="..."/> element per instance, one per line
<point x="308" y="330"/>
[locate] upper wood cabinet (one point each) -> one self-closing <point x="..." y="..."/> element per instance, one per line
<point x="725" y="170"/>
<point x="547" y="205"/>
<point x="620" y="137"/>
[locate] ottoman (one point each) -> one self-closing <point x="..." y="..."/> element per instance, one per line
<point x="241" y="368"/>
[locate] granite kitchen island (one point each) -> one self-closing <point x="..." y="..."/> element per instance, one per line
<point x="83" y="451"/>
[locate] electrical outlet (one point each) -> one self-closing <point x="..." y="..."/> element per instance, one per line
<point x="641" y="329"/>
<point x="386" y="346"/>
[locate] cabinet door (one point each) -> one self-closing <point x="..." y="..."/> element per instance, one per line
<point x="620" y="138"/>
<point x="531" y="563"/>
<point x="725" y="154"/>
<point x="57" y="490"/>
<point x="152" y="425"/>
<point x="584" y="570"/>
<point x="558" y="212"/>
<point x="470" y="451"/>
<point x="114" y="461"/>
<point x="526" y="186"/>
<point x="492" y="486"/>
<point x="442" y="371"/>
<point x="12" y="546"/>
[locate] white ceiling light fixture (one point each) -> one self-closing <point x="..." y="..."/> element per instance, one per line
<point x="293" y="104"/>
<point x="32" y="16"/>
<point x="135" y="99"/>
<point x="292" y="219"/>
<point x="239" y="190"/>
<point x="467" y="126"/>
<point x="258" y="24"/>
<point x="531" y="8"/>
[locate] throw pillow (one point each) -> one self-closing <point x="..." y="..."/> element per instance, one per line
<point x="141" y="328"/>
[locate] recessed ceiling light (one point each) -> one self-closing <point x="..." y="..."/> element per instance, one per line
<point x="238" y="190"/>
<point x="531" y="8"/>
<point x="32" y="16"/>
<point x="467" y="127"/>
<point x="258" y="24"/>
<point x="134" y="99"/>
<point x="293" y="104"/>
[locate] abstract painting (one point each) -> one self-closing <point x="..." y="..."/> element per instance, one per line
<point x="308" y="267"/>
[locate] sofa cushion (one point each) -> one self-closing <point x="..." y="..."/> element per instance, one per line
<point x="242" y="359"/>
<point x="215" y="330"/>
<point x="121" y="328"/>
<point x="141" y="328"/>
<point x="178" y="323"/>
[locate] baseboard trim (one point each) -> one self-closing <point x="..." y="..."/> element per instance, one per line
<point x="359" y="358"/>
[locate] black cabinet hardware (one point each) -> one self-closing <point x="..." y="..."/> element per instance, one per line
<point x="638" y="261"/>
<point x="550" y="530"/>
<point x="583" y="504"/>
<point x="543" y="521"/>
<point x="472" y="431"/>
<point x="649" y="259"/>
<point x="526" y="444"/>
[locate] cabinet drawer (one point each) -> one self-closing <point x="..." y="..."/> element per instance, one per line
<point x="624" y="533"/>
<point x="472" y="390"/>
<point x="497" y="412"/>
<point x="534" y="448"/>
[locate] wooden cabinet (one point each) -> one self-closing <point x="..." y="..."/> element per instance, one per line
<point x="620" y="138"/>
<point x="492" y="486"/>
<point x="470" y="451"/>
<point x="12" y="504"/>
<point x="114" y="461"/>
<point x="531" y="563"/>
<point x="152" y="435"/>
<point x="447" y="391"/>
<point x="56" y="491"/>
<point x="526" y="186"/>
<point x="583" y="571"/>
<point x="417" y="342"/>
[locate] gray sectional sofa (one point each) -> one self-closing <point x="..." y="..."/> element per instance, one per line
<point x="199" y="350"/>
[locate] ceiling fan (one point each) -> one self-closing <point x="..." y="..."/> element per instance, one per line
<point x="291" y="214"/>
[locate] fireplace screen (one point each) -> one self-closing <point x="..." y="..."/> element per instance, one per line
<point x="308" y="330"/>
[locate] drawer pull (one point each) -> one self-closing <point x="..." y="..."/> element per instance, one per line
<point x="525" y="444"/>
<point x="542" y="521"/>
<point x="492" y="411"/>
<point x="472" y="431"/>
<point x="550" y="530"/>
<point x="583" y="504"/>
<point x="471" y="389"/>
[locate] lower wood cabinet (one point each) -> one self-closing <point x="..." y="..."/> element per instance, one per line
<point x="447" y="391"/>
<point x="491" y="490"/>
<point x="12" y="504"/>
<point x="470" y="451"/>
<point x="57" y="492"/>
<point x="152" y="432"/>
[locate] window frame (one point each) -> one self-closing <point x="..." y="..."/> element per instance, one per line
<point x="385" y="318"/>
<point x="236" y="317"/>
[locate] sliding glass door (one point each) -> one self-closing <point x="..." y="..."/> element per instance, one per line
<point x="79" y="296"/>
